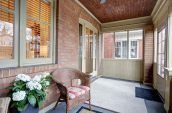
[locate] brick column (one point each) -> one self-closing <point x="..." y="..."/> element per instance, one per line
<point x="148" y="55"/>
<point x="108" y="45"/>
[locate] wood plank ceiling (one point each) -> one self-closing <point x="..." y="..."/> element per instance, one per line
<point x="114" y="10"/>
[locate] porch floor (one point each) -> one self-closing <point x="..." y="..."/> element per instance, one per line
<point x="118" y="95"/>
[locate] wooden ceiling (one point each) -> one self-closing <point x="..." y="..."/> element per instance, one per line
<point x="114" y="10"/>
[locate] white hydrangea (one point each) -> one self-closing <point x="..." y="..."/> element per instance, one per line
<point x="19" y="95"/>
<point x="47" y="83"/>
<point x="37" y="78"/>
<point x="23" y="77"/>
<point x="34" y="85"/>
<point x="45" y="74"/>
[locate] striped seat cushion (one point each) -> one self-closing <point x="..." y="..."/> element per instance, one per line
<point x="77" y="91"/>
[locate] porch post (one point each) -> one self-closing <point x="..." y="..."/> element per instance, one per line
<point x="168" y="71"/>
<point x="169" y="41"/>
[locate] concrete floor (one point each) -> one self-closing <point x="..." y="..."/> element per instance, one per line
<point x="117" y="95"/>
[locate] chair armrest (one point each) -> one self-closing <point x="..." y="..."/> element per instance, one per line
<point x="62" y="88"/>
<point x="5" y="101"/>
<point x="86" y="79"/>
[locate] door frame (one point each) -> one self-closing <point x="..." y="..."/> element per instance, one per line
<point x="85" y="24"/>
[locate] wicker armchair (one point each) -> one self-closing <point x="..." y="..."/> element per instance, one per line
<point x="63" y="78"/>
<point x="4" y="104"/>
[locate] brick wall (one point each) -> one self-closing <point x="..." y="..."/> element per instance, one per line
<point x="148" y="54"/>
<point x="68" y="32"/>
<point x="68" y="14"/>
<point x="108" y="45"/>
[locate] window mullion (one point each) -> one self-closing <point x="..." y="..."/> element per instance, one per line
<point x="128" y="45"/>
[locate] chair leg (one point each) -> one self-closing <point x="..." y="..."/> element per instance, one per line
<point x="90" y="104"/>
<point x="67" y="109"/>
<point x="56" y="104"/>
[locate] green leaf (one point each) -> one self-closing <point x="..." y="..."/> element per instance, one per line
<point x="13" y="104"/>
<point x="22" y="107"/>
<point x="32" y="100"/>
<point x="40" y="103"/>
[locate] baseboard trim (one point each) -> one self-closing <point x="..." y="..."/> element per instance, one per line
<point x="120" y="79"/>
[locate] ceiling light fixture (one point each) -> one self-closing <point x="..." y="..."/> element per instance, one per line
<point x="102" y="1"/>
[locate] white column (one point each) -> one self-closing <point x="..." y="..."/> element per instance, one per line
<point x="169" y="41"/>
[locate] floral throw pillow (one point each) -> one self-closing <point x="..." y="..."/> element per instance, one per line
<point x="76" y="82"/>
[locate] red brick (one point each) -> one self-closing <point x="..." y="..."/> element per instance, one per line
<point x="148" y="54"/>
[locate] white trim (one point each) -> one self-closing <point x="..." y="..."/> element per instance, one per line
<point x="169" y="40"/>
<point x="80" y="4"/>
<point x="157" y="8"/>
<point x="85" y="23"/>
<point x="139" y="19"/>
<point x="13" y="62"/>
<point x="35" y="61"/>
<point x="127" y="24"/>
<point x="160" y="12"/>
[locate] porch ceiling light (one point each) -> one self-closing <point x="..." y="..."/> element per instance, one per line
<point x="102" y="1"/>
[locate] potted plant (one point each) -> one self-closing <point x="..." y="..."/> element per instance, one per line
<point x="28" y="94"/>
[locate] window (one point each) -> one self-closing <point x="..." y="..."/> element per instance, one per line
<point x="121" y="44"/>
<point x="135" y="44"/>
<point x="161" y="52"/>
<point x="38" y="14"/>
<point x="39" y="32"/>
<point x="8" y="30"/>
<point x="128" y="44"/>
<point x="36" y="33"/>
<point x="121" y="49"/>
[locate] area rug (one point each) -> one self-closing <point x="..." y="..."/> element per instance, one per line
<point x="84" y="108"/>
<point x="148" y="94"/>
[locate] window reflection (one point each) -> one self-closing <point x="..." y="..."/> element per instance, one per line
<point x="38" y="29"/>
<point x="6" y="40"/>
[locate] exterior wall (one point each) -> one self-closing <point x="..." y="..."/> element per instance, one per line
<point x="108" y="40"/>
<point x="68" y="32"/>
<point x="123" y="69"/>
<point x="67" y="47"/>
<point x="148" y="54"/>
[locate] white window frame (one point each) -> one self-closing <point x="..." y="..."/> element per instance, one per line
<point x="128" y="46"/>
<point x="13" y="62"/>
<point x="130" y="49"/>
<point x="19" y="41"/>
<point x="36" y="61"/>
<point x="162" y="67"/>
<point x="121" y="49"/>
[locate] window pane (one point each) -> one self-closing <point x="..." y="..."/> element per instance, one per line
<point x="136" y="44"/>
<point x="6" y="29"/>
<point x="121" y="44"/>
<point x="38" y="29"/>
<point x="161" y="52"/>
<point x="133" y="49"/>
<point x="118" y="49"/>
<point x="124" y="49"/>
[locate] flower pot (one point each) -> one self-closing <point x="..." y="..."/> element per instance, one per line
<point x="29" y="109"/>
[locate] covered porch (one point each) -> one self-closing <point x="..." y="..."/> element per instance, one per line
<point x="122" y="45"/>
